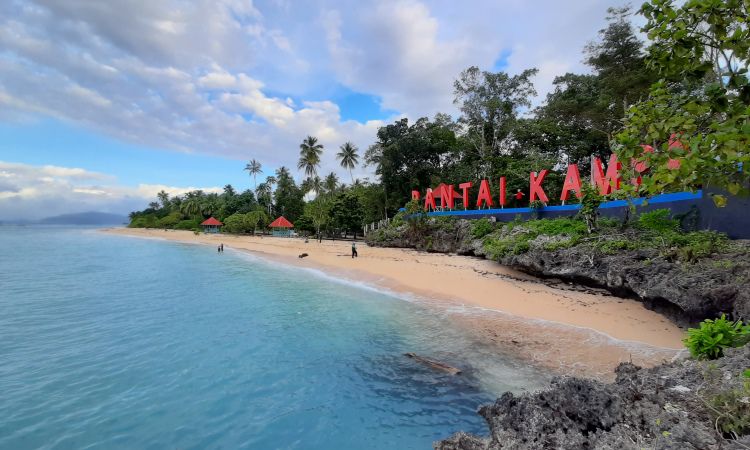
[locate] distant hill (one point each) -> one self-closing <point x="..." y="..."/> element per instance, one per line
<point x="85" y="218"/>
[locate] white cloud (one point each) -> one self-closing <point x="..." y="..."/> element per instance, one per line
<point x="33" y="192"/>
<point x="225" y="78"/>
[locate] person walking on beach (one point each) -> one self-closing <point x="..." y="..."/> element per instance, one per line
<point x="354" y="250"/>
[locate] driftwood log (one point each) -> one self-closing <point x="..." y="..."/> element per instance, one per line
<point x="302" y="255"/>
<point x="437" y="365"/>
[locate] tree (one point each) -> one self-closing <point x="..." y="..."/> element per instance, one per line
<point x="489" y="104"/>
<point x="619" y="62"/>
<point x="191" y="207"/>
<point x="410" y="157"/>
<point x="163" y="198"/>
<point x="346" y="212"/>
<point x="288" y="198"/>
<point x="254" y="168"/>
<point x="694" y="129"/>
<point x="348" y="157"/>
<point x="229" y="191"/>
<point x="331" y="184"/>
<point x="309" y="155"/>
<point x="282" y="173"/>
<point x="583" y="112"/>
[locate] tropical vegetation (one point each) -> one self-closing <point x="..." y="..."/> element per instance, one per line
<point x="680" y="106"/>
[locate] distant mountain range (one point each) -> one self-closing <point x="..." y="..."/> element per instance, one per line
<point x="85" y="218"/>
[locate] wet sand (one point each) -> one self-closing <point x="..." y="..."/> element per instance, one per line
<point x="562" y="327"/>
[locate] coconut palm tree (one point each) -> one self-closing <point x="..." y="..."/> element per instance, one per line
<point x="163" y="198"/>
<point x="282" y="173"/>
<point x="309" y="155"/>
<point x="254" y="168"/>
<point x="191" y="207"/>
<point x="306" y="185"/>
<point x="348" y="157"/>
<point x="317" y="185"/>
<point x="331" y="183"/>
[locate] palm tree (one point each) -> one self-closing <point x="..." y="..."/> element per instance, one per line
<point x="163" y="198"/>
<point x="331" y="183"/>
<point x="317" y="185"/>
<point x="254" y="168"/>
<point x="309" y="155"/>
<point x="282" y="173"/>
<point x="190" y="207"/>
<point x="348" y="157"/>
<point x="306" y="185"/>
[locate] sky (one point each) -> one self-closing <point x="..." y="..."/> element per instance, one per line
<point x="103" y="104"/>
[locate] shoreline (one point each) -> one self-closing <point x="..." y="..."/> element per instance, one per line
<point x="569" y="330"/>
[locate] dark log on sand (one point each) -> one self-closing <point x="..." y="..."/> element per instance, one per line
<point x="303" y="255"/>
<point x="437" y="365"/>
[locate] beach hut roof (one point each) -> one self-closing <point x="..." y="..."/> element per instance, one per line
<point x="281" y="222"/>
<point x="212" y="221"/>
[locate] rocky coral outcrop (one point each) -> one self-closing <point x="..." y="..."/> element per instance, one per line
<point x="666" y="407"/>
<point x="686" y="291"/>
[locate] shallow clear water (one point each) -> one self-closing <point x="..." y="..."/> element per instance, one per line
<point x="117" y="342"/>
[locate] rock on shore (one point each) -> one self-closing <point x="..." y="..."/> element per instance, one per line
<point x="665" y="407"/>
<point x="686" y="292"/>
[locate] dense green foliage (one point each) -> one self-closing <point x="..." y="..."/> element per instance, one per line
<point x="698" y="115"/>
<point x="687" y="96"/>
<point x="481" y="228"/>
<point x="515" y="238"/>
<point x="653" y="230"/>
<point x="714" y="336"/>
<point x="732" y="410"/>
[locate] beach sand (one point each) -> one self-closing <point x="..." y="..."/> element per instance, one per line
<point x="562" y="327"/>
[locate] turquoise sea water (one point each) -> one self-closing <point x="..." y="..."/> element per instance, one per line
<point x="117" y="342"/>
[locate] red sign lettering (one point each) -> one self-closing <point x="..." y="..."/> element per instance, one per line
<point x="484" y="194"/>
<point x="572" y="183"/>
<point x="535" y="186"/>
<point x="502" y="191"/>
<point x="429" y="200"/>
<point x="612" y="180"/>
<point x="465" y="192"/>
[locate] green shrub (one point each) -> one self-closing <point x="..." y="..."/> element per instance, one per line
<point x="699" y="244"/>
<point x="713" y="336"/>
<point x="144" y="221"/>
<point x="481" y="228"/>
<point x="731" y="410"/>
<point x="170" y="220"/>
<point x="536" y="204"/>
<point x="658" y="221"/>
<point x="612" y="247"/>
<point x="189" y="224"/>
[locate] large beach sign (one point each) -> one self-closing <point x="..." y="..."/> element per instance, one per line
<point x="606" y="181"/>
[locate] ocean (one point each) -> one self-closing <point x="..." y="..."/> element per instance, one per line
<point x="119" y="342"/>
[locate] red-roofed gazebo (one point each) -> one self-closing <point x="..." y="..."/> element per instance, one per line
<point x="211" y="225"/>
<point x="282" y="227"/>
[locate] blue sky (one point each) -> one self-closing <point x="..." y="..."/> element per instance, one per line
<point x="102" y="106"/>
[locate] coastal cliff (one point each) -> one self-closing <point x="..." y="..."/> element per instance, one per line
<point x="687" y="404"/>
<point x="687" y="275"/>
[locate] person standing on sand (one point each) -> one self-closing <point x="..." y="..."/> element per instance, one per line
<point x="354" y="250"/>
